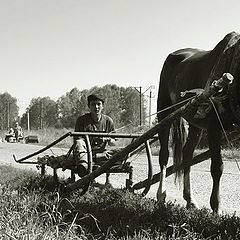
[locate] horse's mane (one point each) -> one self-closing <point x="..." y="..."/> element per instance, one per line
<point x="229" y="57"/>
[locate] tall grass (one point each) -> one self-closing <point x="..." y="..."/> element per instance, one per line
<point x="47" y="136"/>
<point x="31" y="208"/>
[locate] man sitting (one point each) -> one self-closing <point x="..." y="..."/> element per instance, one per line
<point x="18" y="132"/>
<point x="10" y="137"/>
<point x="94" y="121"/>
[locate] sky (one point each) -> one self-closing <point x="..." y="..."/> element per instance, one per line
<point x="48" y="47"/>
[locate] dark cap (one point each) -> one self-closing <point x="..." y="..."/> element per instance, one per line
<point x="95" y="97"/>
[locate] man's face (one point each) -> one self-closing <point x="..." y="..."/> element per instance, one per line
<point x="96" y="107"/>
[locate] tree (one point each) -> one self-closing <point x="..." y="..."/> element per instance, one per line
<point x="49" y="112"/>
<point x="72" y="105"/>
<point x="112" y="97"/>
<point x="9" y="111"/>
<point x="122" y="104"/>
<point x="43" y="113"/>
<point x="131" y="107"/>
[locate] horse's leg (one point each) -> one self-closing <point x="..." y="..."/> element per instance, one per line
<point x="193" y="138"/>
<point x="107" y="182"/>
<point x="163" y="160"/>
<point x="214" y="137"/>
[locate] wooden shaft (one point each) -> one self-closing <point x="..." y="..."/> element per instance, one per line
<point x="43" y="149"/>
<point x="89" y="154"/>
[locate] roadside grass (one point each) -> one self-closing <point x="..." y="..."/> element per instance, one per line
<point x="49" y="135"/>
<point x="31" y="208"/>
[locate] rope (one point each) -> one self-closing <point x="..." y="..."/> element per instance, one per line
<point x="172" y="106"/>
<point x="224" y="131"/>
<point x="162" y="110"/>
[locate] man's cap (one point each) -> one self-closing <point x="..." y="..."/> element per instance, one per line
<point x="95" y="97"/>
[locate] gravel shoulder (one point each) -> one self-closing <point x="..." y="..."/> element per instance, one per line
<point x="200" y="176"/>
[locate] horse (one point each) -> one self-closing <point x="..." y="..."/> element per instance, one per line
<point x="190" y="70"/>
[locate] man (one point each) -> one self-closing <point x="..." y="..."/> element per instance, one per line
<point x="94" y="121"/>
<point x="18" y="132"/>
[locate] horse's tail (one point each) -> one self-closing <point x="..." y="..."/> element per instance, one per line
<point x="178" y="140"/>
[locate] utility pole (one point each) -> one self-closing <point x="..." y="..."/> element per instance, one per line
<point x="150" y="106"/>
<point x="140" y="104"/>
<point x="8" y="115"/>
<point x="28" y="120"/>
<point x="150" y="102"/>
<point x="41" y="114"/>
<point x="140" y="92"/>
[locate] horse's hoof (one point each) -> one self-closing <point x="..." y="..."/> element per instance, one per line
<point x="161" y="197"/>
<point x="218" y="212"/>
<point x="69" y="180"/>
<point x="192" y="205"/>
<point x="108" y="185"/>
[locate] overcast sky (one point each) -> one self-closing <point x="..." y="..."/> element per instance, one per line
<point x="49" y="47"/>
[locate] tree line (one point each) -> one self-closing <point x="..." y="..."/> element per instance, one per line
<point x="9" y="111"/>
<point x="122" y="104"/>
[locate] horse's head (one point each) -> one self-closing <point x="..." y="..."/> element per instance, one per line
<point x="228" y="60"/>
<point x="234" y="88"/>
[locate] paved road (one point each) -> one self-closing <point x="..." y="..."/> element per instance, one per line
<point x="201" y="177"/>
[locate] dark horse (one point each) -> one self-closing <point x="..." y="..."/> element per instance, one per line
<point x="189" y="69"/>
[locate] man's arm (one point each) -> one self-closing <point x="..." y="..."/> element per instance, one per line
<point x="78" y="128"/>
<point x="111" y="141"/>
<point x="111" y="129"/>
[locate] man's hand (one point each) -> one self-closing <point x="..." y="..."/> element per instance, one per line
<point x="107" y="154"/>
<point x="110" y="141"/>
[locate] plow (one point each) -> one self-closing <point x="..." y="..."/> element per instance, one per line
<point x="138" y="142"/>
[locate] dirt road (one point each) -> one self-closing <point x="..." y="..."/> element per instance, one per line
<point x="201" y="177"/>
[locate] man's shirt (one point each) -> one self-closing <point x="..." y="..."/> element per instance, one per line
<point x="85" y="123"/>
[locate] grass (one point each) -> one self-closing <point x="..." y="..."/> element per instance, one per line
<point x="31" y="208"/>
<point x="49" y="135"/>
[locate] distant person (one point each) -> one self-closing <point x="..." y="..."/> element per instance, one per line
<point x="11" y="132"/>
<point x="10" y="137"/>
<point x="18" y="132"/>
